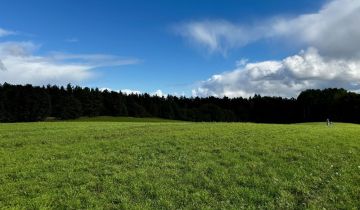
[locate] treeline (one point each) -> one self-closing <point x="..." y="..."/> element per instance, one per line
<point x="26" y="103"/>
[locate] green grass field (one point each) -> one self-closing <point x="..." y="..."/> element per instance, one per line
<point x="179" y="165"/>
<point x="116" y="119"/>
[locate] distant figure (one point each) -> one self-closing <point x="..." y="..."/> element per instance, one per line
<point x="328" y="123"/>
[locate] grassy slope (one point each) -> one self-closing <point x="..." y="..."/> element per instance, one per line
<point x="116" y="119"/>
<point x="179" y="165"/>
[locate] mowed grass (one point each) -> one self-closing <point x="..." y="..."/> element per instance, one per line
<point x="143" y="165"/>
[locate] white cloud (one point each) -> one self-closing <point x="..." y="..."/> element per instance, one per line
<point x="242" y="62"/>
<point x="125" y="91"/>
<point x="332" y="59"/>
<point x="158" y="93"/>
<point x="20" y="49"/>
<point x="334" y="30"/>
<point x="20" y="65"/>
<point x="286" y="77"/>
<point x="182" y="94"/>
<point x="2" y="66"/>
<point x="95" y="60"/>
<point x="107" y="89"/>
<point x="218" y="35"/>
<point x="128" y="91"/>
<point x="4" y="32"/>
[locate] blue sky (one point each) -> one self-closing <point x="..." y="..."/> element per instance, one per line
<point x="151" y="45"/>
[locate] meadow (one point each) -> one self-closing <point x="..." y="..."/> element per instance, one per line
<point x="115" y="164"/>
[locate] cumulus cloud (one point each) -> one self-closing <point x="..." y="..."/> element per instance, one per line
<point x="286" y="77"/>
<point x="129" y="91"/>
<point x="332" y="59"/>
<point x="158" y="93"/>
<point x="334" y="30"/>
<point x="108" y="89"/>
<point x="20" y="65"/>
<point x="125" y="91"/>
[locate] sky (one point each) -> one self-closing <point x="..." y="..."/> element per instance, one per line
<point x="193" y="48"/>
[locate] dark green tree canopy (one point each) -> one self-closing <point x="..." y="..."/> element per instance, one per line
<point x="23" y="103"/>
